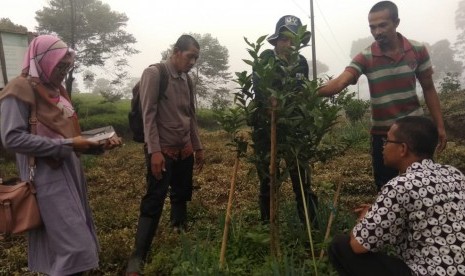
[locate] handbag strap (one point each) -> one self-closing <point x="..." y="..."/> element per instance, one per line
<point x="6" y="206"/>
<point x="33" y="129"/>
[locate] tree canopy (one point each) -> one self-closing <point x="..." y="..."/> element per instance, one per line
<point x="460" y="26"/>
<point x="7" y="25"/>
<point x="91" y="28"/>
<point x="443" y="59"/>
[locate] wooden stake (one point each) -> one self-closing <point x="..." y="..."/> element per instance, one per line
<point x="274" y="228"/>
<point x="227" y="220"/>
<point x="331" y="217"/>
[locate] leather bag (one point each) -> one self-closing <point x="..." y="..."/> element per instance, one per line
<point x="19" y="211"/>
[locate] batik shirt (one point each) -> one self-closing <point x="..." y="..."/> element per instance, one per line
<point x="421" y="214"/>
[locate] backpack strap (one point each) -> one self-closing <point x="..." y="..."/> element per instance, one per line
<point x="191" y="93"/>
<point x="164" y="79"/>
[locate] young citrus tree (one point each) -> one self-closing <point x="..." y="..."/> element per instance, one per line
<point x="300" y="118"/>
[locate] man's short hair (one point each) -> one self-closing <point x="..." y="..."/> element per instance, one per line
<point x="185" y="41"/>
<point x="419" y="133"/>
<point x="386" y="5"/>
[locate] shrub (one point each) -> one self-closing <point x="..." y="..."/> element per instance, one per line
<point x="453" y="155"/>
<point x="119" y="121"/>
<point x="450" y="83"/>
<point x="111" y="96"/>
<point x="208" y="119"/>
<point x="355" y="109"/>
<point x="452" y="104"/>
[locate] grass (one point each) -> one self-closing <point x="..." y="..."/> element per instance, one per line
<point x="116" y="185"/>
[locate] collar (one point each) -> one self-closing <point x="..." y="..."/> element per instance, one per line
<point x="376" y="50"/>
<point x="172" y="70"/>
<point x="422" y="165"/>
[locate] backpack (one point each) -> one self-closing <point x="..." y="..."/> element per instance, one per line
<point x="136" y="123"/>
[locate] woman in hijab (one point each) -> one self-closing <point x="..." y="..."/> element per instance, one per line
<point x="66" y="244"/>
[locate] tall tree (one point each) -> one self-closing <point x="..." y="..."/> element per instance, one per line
<point x="127" y="88"/>
<point x="211" y="70"/>
<point x="89" y="79"/>
<point x="443" y="59"/>
<point x="90" y="27"/>
<point x="460" y="26"/>
<point x="101" y="85"/>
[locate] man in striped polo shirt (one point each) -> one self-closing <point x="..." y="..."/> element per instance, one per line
<point x="392" y="64"/>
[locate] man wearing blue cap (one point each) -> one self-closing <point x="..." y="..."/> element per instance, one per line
<point x="282" y="40"/>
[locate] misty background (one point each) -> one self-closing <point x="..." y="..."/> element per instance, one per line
<point x="341" y="31"/>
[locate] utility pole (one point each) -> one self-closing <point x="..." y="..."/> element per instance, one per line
<point x="312" y="23"/>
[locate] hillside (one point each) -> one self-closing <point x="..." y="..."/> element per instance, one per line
<point x="116" y="184"/>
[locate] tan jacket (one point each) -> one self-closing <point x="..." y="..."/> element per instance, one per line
<point x="169" y="122"/>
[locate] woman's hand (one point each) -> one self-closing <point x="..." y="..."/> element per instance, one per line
<point x="113" y="142"/>
<point x="81" y="144"/>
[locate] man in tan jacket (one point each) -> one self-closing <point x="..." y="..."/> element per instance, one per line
<point x="172" y="145"/>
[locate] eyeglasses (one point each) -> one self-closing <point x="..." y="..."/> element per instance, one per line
<point x="385" y="141"/>
<point x="64" y="67"/>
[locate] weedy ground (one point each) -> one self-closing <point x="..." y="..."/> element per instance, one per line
<point x="117" y="182"/>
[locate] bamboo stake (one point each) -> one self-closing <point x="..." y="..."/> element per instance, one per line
<point x="274" y="229"/>
<point x="307" y="221"/>
<point x="227" y="220"/>
<point x="331" y="217"/>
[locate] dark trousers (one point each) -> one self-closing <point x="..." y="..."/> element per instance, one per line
<point x="262" y="147"/>
<point x="177" y="177"/>
<point x="381" y="173"/>
<point x="311" y="199"/>
<point x="346" y="262"/>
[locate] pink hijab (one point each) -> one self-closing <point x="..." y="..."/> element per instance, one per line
<point x="42" y="56"/>
<point x="44" y="53"/>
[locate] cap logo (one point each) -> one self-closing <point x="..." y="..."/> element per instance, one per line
<point x="290" y="20"/>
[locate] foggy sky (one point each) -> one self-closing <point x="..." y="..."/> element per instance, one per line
<point x="157" y="24"/>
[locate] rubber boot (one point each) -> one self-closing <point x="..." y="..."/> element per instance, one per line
<point x="178" y="217"/>
<point x="145" y="232"/>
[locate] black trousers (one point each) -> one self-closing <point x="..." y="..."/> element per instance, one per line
<point x="177" y="177"/>
<point x="346" y="262"/>
<point x="262" y="147"/>
<point x="381" y="173"/>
